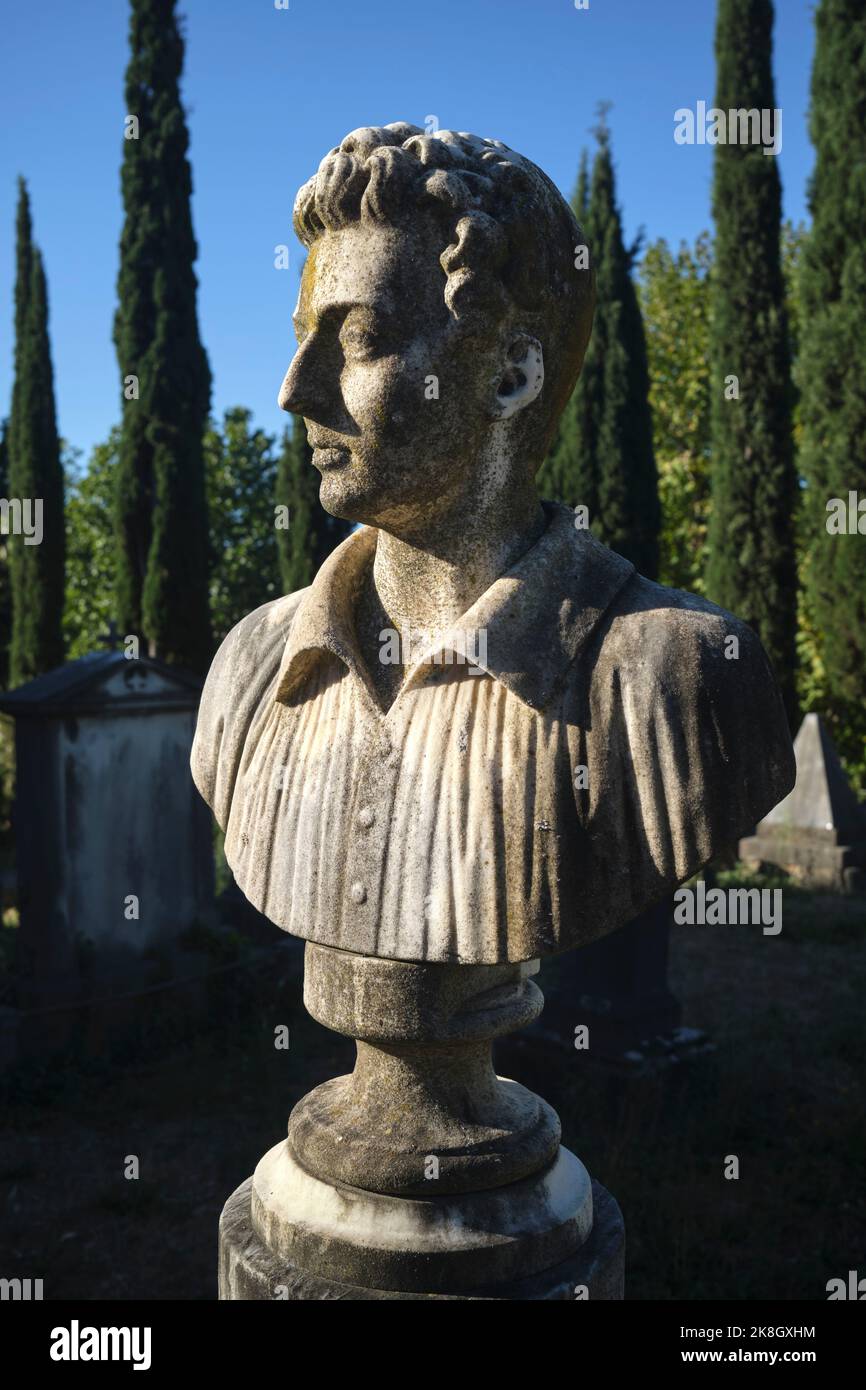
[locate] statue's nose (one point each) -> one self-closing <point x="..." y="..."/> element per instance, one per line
<point x="298" y="393"/>
<point x="286" y="394"/>
<point x="312" y="387"/>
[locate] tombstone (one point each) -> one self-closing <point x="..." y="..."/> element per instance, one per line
<point x="818" y="833"/>
<point x="114" y="848"/>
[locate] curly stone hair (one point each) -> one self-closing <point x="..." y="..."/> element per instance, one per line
<point x="510" y="239"/>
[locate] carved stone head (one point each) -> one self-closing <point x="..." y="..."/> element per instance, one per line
<point x="439" y="296"/>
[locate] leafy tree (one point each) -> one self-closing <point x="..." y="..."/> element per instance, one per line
<point x="241" y="476"/>
<point x="91" y="546"/>
<point x="162" y="582"/>
<point x="751" y="567"/>
<point x="244" y="568"/>
<point x="35" y="474"/>
<point x="675" y="298"/>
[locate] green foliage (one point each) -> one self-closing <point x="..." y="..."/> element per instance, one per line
<point x="812" y="692"/>
<point x="7" y="802"/>
<point x="602" y="456"/>
<point x="831" y="375"/>
<point x="675" y="299"/>
<point x="162" y="582"/>
<point x="35" y="473"/>
<point x="794" y="240"/>
<point x="312" y="533"/>
<point x="580" y="196"/>
<point x="244" y="568"/>
<point x="90" y="547"/>
<point x="751" y="566"/>
<point x="240" y="470"/>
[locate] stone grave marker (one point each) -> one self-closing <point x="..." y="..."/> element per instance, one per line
<point x="817" y="834"/>
<point x="114" y="847"/>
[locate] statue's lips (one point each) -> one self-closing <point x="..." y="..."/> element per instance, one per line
<point x="331" y="457"/>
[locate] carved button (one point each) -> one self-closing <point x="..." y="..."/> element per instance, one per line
<point x="358" y="893"/>
<point x="366" y="816"/>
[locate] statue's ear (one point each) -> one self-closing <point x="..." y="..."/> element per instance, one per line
<point x="523" y="377"/>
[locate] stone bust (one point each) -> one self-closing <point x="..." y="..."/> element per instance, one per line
<point x="558" y="741"/>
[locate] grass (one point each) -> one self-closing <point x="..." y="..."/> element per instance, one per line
<point x="783" y="1092"/>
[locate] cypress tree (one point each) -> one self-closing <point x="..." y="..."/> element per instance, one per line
<point x="35" y="481"/>
<point x="5" y="595"/>
<point x="576" y="460"/>
<point x="23" y="269"/>
<point x="559" y="475"/>
<point x="580" y="196"/>
<point x="23" y="277"/>
<point x="603" y="457"/>
<point x="751" y="566"/>
<point x="832" y="366"/>
<point x="162" y="582"/>
<point x="311" y="533"/>
<point x="628" y="505"/>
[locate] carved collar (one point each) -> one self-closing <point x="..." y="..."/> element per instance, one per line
<point x="538" y="617"/>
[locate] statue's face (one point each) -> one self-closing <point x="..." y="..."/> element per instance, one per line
<point x="397" y="403"/>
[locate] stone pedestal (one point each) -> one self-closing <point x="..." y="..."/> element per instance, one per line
<point x="423" y="1174"/>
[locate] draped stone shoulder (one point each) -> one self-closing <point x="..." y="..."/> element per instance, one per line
<point x="241" y="673"/>
<point x="686" y="739"/>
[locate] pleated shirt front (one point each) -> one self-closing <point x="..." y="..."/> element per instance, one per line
<point x="490" y="814"/>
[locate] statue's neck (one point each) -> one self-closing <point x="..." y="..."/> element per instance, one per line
<point x="431" y="581"/>
<point x="425" y="584"/>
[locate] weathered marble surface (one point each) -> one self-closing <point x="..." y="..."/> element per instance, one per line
<point x="421" y="811"/>
<point x="249" y="1270"/>
<point x="452" y="827"/>
<point x="429" y="825"/>
<point x="424" y="1088"/>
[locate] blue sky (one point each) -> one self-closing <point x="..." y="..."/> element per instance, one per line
<point x="269" y="91"/>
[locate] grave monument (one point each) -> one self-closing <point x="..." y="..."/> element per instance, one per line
<point x="478" y="738"/>
<point x="817" y="834"/>
<point x="107" y="894"/>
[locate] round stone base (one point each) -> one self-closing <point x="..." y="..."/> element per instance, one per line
<point x="249" y="1270"/>
<point x="436" y="1244"/>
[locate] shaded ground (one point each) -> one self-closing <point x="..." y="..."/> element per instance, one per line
<point x="784" y="1091"/>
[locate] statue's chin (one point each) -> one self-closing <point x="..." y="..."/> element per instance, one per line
<point x="351" y="494"/>
<point x="343" y="498"/>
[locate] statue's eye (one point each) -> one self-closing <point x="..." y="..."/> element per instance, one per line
<point x="361" y="339"/>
